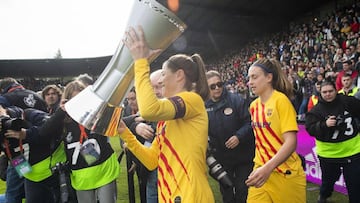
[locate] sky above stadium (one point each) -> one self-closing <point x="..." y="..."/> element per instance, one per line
<point x="36" y="29"/>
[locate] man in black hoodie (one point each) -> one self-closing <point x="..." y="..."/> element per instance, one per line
<point x="333" y="124"/>
<point x="12" y="93"/>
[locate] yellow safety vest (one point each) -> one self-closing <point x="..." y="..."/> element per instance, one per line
<point x="314" y="99"/>
<point x="352" y="92"/>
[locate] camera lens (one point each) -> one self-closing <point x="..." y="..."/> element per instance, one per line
<point x="218" y="172"/>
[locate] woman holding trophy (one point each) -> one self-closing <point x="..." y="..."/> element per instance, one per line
<point x="179" y="150"/>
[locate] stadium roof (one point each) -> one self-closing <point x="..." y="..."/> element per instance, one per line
<point x="214" y="26"/>
<point x="52" y="67"/>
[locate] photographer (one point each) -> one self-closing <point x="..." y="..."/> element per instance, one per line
<point x="15" y="191"/>
<point x="333" y="123"/>
<point x="31" y="156"/>
<point x="12" y="93"/>
<point x="93" y="163"/>
<point x="231" y="139"/>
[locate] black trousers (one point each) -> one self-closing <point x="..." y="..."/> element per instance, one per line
<point x="331" y="172"/>
<point x="142" y="178"/>
<point x="238" y="174"/>
<point x="46" y="191"/>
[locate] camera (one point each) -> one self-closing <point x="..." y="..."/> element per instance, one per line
<point x="63" y="170"/>
<point x="8" y="123"/>
<point x="340" y="120"/>
<point x="217" y="171"/>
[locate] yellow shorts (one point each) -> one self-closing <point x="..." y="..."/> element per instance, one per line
<point x="280" y="188"/>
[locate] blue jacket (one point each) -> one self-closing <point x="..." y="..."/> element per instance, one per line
<point x="36" y="147"/>
<point x="16" y="95"/>
<point x="41" y="147"/>
<point x="227" y="117"/>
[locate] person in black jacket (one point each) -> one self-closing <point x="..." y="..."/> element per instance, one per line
<point x="135" y="122"/>
<point x="14" y="94"/>
<point x="92" y="161"/>
<point x="230" y="137"/>
<point x="133" y="165"/>
<point x="145" y="133"/>
<point x="15" y="191"/>
<point x="33" y="156"/>
<point x="333" y="124"/>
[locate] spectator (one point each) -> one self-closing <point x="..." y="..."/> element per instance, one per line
<point x="347" y="69"/>
<point x="52" y="96"/>
<point x="145" y="132"/>
<point x="315" y="97"/>
<point x="132" y="105"/>
<point x="133" y="120"/>
<point x="338" y="56"/>
<point x="307" y="87"/>
<point x="243" y="90"/>
<point x="297" y="93"/>
<point x="151" y="185"/>
<point x="320" y="77"/>
<point x="85" y="78"/>
<point x="348" y="86"/>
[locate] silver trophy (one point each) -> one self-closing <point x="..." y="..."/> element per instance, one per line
<point x="98" y="107"/>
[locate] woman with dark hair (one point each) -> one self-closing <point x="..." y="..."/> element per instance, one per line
<point x="179" y="150"/>
<point x="278" y="175"/>
<point x="333" y="124"/>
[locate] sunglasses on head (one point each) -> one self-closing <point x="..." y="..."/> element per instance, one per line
<point x="218" y="84"/>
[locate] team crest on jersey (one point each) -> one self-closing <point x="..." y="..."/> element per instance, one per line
<point x="30" y="100"/>
<point x="269" y="112"/>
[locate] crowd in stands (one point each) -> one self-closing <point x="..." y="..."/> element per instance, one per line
<point x="39" y="84"/>
<point x="309" y="52"/>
